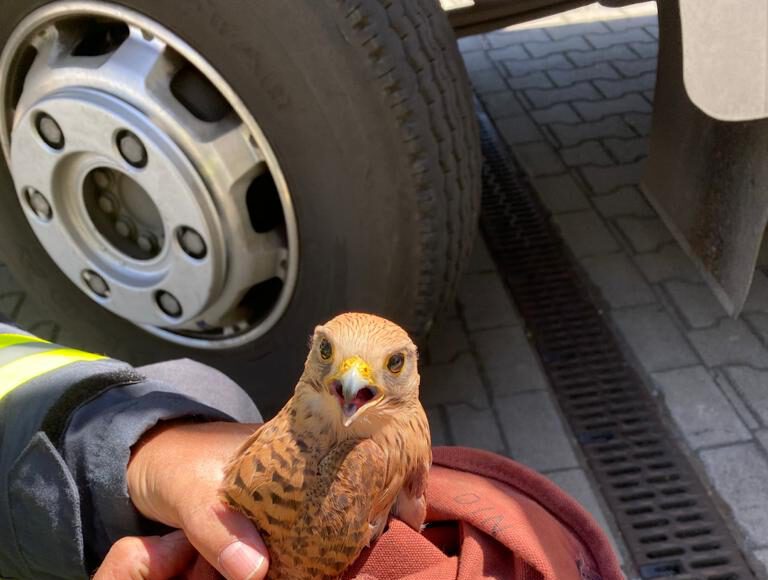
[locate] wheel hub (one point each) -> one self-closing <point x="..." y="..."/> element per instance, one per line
<point x="124" y="213"/>
<point x="166" y="194"/>
<point x="139" y="171"/>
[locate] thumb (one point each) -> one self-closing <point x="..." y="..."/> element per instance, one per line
<point x="228" y="540"/>
<point x="148" y="558"/>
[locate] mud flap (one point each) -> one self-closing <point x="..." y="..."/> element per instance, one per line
<point x="707" y="179"/>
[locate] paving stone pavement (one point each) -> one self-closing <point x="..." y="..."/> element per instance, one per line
<point x="572" y="95"/>
<point x="483" y="386"/>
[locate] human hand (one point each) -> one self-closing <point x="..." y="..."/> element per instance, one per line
<point x="155" y="558"/>
<point x="173" y="478"/>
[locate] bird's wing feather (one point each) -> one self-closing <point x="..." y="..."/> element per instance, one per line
<point x="334" y="522"/>
<point x="350" y="483"/>
<point x="411" y="504"/>
<point x="265" y="479"/>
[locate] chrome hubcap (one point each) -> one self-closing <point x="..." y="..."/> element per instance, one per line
<point x="144" y="177"/>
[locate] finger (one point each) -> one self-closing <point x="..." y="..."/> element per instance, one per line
<point x="228" y="540"/>
<point x="147" y="558"/>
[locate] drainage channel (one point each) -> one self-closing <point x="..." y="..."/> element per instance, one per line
<point x="669" y="523"/>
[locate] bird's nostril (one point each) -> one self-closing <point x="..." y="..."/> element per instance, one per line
<point x="338" y="389"/>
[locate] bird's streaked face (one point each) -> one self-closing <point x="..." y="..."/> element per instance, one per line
<point x="365" y="364"/>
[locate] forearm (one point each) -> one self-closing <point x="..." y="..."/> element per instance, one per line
<point x="101" y="435"/>
<point x="66" y="441"/>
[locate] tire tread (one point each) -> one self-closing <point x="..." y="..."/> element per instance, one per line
<point x="413" y="53"/>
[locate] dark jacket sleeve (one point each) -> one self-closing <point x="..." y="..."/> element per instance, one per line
<point x="65" y="440"/>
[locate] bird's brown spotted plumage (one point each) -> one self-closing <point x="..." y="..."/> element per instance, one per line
<point x="320" y="489"/>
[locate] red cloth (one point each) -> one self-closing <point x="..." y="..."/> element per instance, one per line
<point x="490" y="517"/>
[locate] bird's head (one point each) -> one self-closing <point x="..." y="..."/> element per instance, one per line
<point x="363" y="367"/>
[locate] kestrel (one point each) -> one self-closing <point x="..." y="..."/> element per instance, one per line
<point x="350" y="447"/>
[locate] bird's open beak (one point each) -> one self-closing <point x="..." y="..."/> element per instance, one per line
<point x="354" y="387"/>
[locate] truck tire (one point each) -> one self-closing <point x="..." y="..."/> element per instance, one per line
<point x="367" y="110"/>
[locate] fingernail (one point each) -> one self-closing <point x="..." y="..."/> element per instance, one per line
<point x="240" y="561"/>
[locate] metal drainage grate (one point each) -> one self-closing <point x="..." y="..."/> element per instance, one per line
<point x="669" y="523"/>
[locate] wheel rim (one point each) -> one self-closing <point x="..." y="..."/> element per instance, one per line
<point x="145" y="177"/>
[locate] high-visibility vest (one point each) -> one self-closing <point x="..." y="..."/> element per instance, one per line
<point x="24" y="358"/>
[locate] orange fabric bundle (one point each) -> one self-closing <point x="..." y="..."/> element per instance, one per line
<point x="490" y="517"/>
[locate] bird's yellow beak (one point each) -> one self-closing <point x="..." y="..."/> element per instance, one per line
<point x="353" y="387"/>
<point x="354" y="365"/>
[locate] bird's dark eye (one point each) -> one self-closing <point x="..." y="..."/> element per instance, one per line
<point x="325" y="348"/>
<point x="396" y="362"/>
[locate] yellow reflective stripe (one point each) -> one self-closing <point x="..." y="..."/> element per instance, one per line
<point x="25" y="369"/>
<point x="13" y="339"/>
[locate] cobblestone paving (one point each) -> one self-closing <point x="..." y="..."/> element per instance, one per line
<point x="572" y="95"/>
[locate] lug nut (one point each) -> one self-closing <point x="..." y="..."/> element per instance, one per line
<point x="192" y="243"/>
<point x="168" y="303"/>
<point x="147" y="242"/>
<point x="38" y="204"/>
<point x="124" y="228"/>
<point x="101" y="179"/>
<point x="96" y="283"/>
<point x="49" y="131"/>
<point x="107" y="204"/>
<point x="132" y="149"/>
